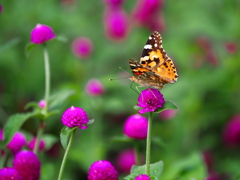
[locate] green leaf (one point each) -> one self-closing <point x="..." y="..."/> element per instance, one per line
<point x="31" y="105"/>
<point x="91" y="121"/>
<point x="155" y="171"/>
<point x="28" y="48"/>
<point x="167" y="105"/>
<point x="9" y="44"/>
<point x="58" y="98"/>
<point x="65" y="135"/>
<point x="14" y="123"/>
<point x="137" y="107"/>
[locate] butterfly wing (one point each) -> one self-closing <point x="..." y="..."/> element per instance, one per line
<point x="155" y="58"/>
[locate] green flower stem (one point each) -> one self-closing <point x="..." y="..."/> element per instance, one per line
<point x="66" y="154"/>
<point x="148" y="146"/>
<point x="47" y="78"/>
<point x="39" y="134"/>
<point x="137" y="153"/>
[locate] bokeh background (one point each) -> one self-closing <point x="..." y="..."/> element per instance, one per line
<point x="202" y="38"/>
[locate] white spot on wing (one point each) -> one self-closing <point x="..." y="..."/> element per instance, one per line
<point x="155" y="45"/>
<point x="148" y="46"/>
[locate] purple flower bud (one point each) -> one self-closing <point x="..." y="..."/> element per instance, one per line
<point x="102" y="170"/>
<point x="231" y="133"/>
<point x="231" y="47"/>
<point x="32" y="143"/>
<point x="136" y="126"/>
<point x="125" y="160"/>
<point x="167" y="114"/>
<point x="146" y="10"/>
<point x="9" y="173"/>
<point x="116" y="24"/>
<point x="150" y="100"/>
<point x="113" y="3"/>
<point x="94" y="87"/>
<point x="17" y="142"/>
<point x="41" y="33"/>
<point x="28" y="165"/>
<point x="82" y="47"/>
<point x="75" y="117"/>
<point x="142" y="177"/>
<point x="42" y="103"/>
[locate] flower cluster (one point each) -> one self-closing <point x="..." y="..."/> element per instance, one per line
<point x="150" y="100"/>
<point x="75" y="117"/>
<point x="103" y="170"/>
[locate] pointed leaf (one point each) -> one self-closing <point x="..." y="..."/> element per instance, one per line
<point x="59" y="97"/>
<point x="28" y="48"/>
<point x="14" y="123"/>
<point x="65" y="135"/>
<point x="91" y="121"/>
<point x="167" y="105"/>
<point x="9" y="44"/>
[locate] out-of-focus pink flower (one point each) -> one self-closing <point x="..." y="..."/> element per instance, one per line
<point x="28" y="165"/>
<point x="231" y="132"/>
<point x="32" y="143"/>
<point x="1" y="135"/>
<point x="125" y="160"/>
<point x="156" y="23"/>
<point x="9" y="173"/>
<point x="167" y="114"/>
<point x="116" y="24"/>
<point x="102" y="170"/>
<point x="42" y="33"/>
<point x="142" y="177"/>
<point x="75" y="117"/>
<point x="204" y="43"/>
<point x="17" y="142"/>
<point x="208" y="159"/>
<point x="136" y="126"/>
<point x="1" y="8"/>
<point x="231" y="47"/>
<point x="94" y="87"/>
<point x="42" y="103"/>
<point x="113" y="3"/>
<point x="146" y="10"/>
<point x="211" y="57"/>
<point x="82" y="47"/>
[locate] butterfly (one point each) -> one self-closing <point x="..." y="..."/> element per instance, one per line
<point x="155" y="67"/>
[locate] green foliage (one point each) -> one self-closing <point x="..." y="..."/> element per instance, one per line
<point x="65" y="135"/>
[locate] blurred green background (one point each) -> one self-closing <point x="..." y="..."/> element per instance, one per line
<point x="195" y="35"/>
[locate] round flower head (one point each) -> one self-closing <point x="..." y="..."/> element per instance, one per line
<point x="28" y="165"/>
<point x="82" y="47"/>
<point x="32" y="143"/>
<point x="9" y="173"/>
<point x="75" y="117"/>
<point x="17" y="142"/>
<point x="136" y="127"/>
<point x="142" y="177"/>
<point x="42" y="103"/>
<point x="102" y="170"/>
<point x="94" y="87"/>
<point x="231" y="133"/>
<point x="41" y="33"/>
<point x="116" y="24"/>
<point x="125" y="160"/>
<point x="150" y="100"/>
<point x="167" y="114"/>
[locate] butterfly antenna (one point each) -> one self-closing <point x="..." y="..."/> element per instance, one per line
<point x="122" y="77"/>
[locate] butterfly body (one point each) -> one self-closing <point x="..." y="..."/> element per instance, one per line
<point x="155" y="68"/>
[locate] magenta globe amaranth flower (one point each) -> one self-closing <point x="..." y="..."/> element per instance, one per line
<point x="94" y="87"/>
<point x="150" y="100"/>
<point x="142" y="177"/>
<point x="9" y="173"/>
<point x="42" y="103"/>
<point x="32" y="143"/>
<point x="136" y="126"/>
<point x="82" y="47"/>
<point x="17" y="142"/>
<point x="102" y="170"/>
<point x="28" y="165"/>
<point x="42" y="33"/>
<point x="116" y="24"/>
<point x="125" y="160"/>
<point x="231" y="132"/>
<point x="75" y="117"/>
<point x="167" y="114"/>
